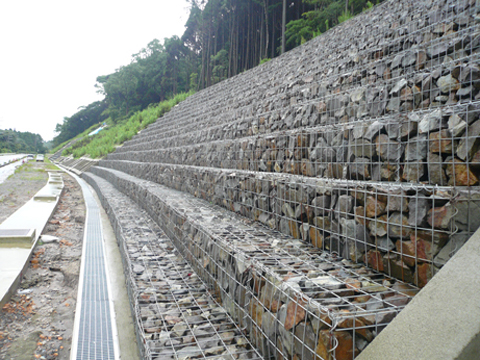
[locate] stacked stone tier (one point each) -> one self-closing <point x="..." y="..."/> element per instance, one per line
<point x="417" y="65"/>
<point x="380" y="134"/>
<point x="292" y="298"/>
<point x="307" y="192"/>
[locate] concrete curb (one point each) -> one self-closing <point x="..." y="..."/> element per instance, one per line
<point x="12" y="273"/>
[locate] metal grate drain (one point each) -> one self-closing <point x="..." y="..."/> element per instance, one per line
<point x="94" y="336"/>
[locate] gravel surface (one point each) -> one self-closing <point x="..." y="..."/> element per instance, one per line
<point x="37" y="323"/>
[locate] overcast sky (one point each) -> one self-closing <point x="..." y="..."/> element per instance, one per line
<point x="52" y="51"/>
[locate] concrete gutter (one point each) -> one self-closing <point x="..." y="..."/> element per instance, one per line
<point x="34" y="214"/>
<point x="443" y="320"/>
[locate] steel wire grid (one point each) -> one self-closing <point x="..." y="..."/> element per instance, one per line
<point x="406" y="230"/>
<point x="331" y="303"/>
<point x="409" y="70"/>
<point x="169" y="283"/>
<point x="406" y="111"/>
<point x="348" y="303"/>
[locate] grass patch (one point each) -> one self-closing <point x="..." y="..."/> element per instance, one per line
<point x="51" y="167"/>
<point x="107" y="140"/>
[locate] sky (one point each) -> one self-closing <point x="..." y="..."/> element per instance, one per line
<point x="52" y="51"/>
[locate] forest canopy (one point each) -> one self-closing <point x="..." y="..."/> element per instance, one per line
<point x="222" y="38"/>
<point x="12" y="141"/>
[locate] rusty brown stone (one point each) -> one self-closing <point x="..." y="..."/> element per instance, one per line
<point x="375" y="207"/>
<point x="275" y="306"/>
<point x="397" y="268"/>
<point x="362" y="298"/>
<point x="295" y="313"/>
<point x="423" y="274"/>
<point x="307" y="168"/>
<point x="323" y="345"/>
<point x="421" y="59"/>
<point x="316" y="237"/>
<point x="351" y="322"/>
<point x="424" y="250"/>
<point x="406" y="94"/>
<point x="294" y="231"/>
<point x="407" y="249"/>
<point x="258" y="281"/>
<point x="436" y="240"/>
<point x="360" y="215"/>
<point x="387" y="75"/>
<point x="441" y="142"/>
<point x="460" y="174"/>
<point x="335" y="171"/>
<point x="353" y="284"/>
<point x="440" y="217"/>
<point x="374" y="260"/>
<point x="256" y="312"/>
<point x="346" y="348"/>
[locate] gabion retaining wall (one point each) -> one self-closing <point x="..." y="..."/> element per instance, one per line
<point x="293" y="300"/>
<point x="407" y="231"/>
<point x="364" y="141"/>
<point x="176" y="315"/>
<point x="347" y="166"/>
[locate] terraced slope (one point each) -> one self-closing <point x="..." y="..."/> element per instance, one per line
<point x="307" y="191"/>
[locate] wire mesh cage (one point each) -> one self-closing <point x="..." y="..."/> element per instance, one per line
<point x="356" y="159"/>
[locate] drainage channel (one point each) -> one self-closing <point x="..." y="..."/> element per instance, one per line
<point x="95" y="335"/>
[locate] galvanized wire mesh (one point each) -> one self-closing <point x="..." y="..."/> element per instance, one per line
<point x="357" y="153"/>
<point x="371" y="150"/>
<point x="176" y="314"/>
<point x="292" y="299"/>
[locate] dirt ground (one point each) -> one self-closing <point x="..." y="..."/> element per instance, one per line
<point x="37" y="323"/>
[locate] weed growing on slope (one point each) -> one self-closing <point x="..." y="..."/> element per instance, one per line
<point x="107" y="140"/>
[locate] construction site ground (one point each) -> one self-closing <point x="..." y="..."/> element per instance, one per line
<point x="37" y="322"/>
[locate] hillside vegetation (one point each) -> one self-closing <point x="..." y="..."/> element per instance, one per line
<point x="222" y="38"/>
<point x="12" y="141"/>
<point x="114" y="134"/>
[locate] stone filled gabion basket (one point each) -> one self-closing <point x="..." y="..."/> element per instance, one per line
<point x="355" y="159"/>
<point x="177" y="315"/>
<point x="388" y="125"/>
<point x="293" y="300"/>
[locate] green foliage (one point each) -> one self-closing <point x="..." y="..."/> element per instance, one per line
<point x="220" y="66"/>
<point x="263" y="61"/>
<point x="81" y="120"/>
<point x="12" y="141"/>
<point x="345" y="16"/>
<point x="297" y="32"/>
<point x="222" y="38"/>
<point x="368" y="6"/>
<point x="109" y="138"/>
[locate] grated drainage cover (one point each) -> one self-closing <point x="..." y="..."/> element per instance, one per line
<point x="96" y="338"/>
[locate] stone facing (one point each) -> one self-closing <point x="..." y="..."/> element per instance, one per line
<point x="356" y="160"/>
<point x="291" y="298"/>
<point x="390" y="121"/>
